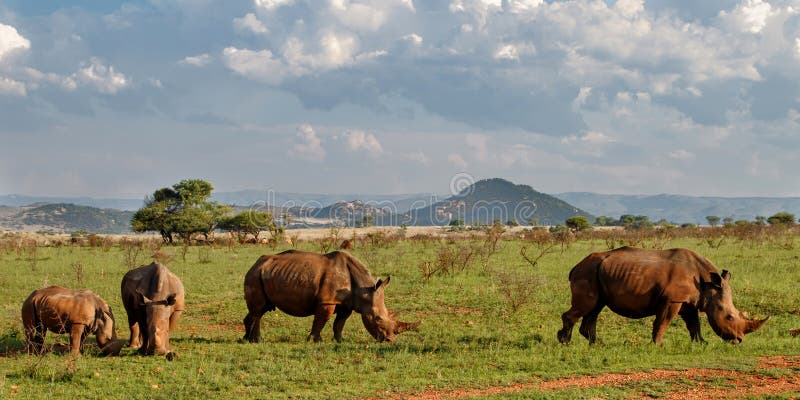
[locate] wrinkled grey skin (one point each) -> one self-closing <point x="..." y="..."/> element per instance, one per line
<point x="302" y="284"/>
<point x="154" y="300"/>
<point x="638" y="283"/>
<point x="77" y="312"/>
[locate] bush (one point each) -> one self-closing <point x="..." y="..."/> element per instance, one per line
<point x="578" y="223"/>
<point x="781" y="218"/>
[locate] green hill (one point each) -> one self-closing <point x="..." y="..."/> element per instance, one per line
<point x="496" y="199"/>
<point x="70" y="218"/>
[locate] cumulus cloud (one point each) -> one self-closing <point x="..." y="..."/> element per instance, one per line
<point x="362" y="141"/>
<point x="199" y="60"/>
<point x="249" y="24"/>
<point x="12" y="87"/>
<point x="748" y="16"/>
<point x="101" y="77"/>
<point x="259" y="65"/>
<point x="11" y="41"/>
<point x="308" y="146"/>
<point x="270" y="5"/>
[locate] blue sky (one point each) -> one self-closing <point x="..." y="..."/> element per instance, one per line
<point x="115" y="99"/>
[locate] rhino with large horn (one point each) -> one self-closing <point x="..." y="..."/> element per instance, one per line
<point x="77" y="312"/>
<point x="302" y="284"/>
<point x="638" y="283"/>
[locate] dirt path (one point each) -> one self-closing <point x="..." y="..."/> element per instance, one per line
<point x="691" y="383"/>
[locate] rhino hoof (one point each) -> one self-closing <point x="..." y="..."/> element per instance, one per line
<point x="171" y="356"/>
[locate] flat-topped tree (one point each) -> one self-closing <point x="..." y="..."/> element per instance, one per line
<point x="183" y="210"/>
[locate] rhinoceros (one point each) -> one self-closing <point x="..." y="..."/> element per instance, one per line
<point x="638" y="283"/>
<point x="77" y="312"/>
<point x="154" y="300"/>
<point x="302" y="284"/>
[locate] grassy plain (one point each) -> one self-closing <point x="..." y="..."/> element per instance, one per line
<point x="470" y="335"/>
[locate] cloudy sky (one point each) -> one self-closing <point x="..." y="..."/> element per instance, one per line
<point x="117" y="98"/>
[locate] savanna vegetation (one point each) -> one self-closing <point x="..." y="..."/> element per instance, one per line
<point x="490" y="303"/>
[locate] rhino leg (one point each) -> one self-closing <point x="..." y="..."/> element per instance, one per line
<point x="338" y="323"/>
<point x="252" y="327"/>
<point x="664" y="316"/>
<point x="136" y="334"/>
<point x="173" y="322"/>
<point x="588" y="327"/>
<point x="692" y="319"/>
<point x="585" y="298"/>
<point x="321" y="317"/>
<point x="34" y="339"/>
<point x="77" y="334"/>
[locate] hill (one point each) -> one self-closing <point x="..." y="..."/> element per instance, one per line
<point x="61" y="217"/>
<point x="496" y="199"/>
<point x="681" y="208"/>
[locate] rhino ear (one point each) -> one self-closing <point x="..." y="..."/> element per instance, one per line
<point x="716" y="280"/>
<point x="381" y="283"/>
<point x="726" y="276"/>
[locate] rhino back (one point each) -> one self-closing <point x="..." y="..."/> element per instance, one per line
<point x="635" y="281"/>
<point x="296" y="282"/>
<point x="59" y="308"/>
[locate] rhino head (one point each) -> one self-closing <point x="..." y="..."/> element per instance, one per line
<point x="105" y="331"/>
<point x="727" y="322"/>
<point x="158" y="313"/>
<point x="380" y="323"/>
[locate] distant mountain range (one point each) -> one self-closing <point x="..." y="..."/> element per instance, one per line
<point x="681" y="209"/>
<point x="63" y="217"/>
<point x="482" y="202"/>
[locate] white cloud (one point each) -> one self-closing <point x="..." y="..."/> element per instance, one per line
<point x="457" y="161"/>
<point x="258" y="65"/>
<point x="681" y="154"/>
<point x="11" y="40"/>
<point x="590" y="137"/>
<point x="413" y="38"/>
<point x="309" y="146"/>
<point x="11" y="87"/>
<point x="270" y="5"/>
<point x="335" y="50"/>
<point x="360" y="140"/>
<point x="199" y="60"/>
<point x="249" y="24"/>
<point x="522" y="6"/>
<point x="35" y="78"/>
<point x="418" y="157"/>
<point x="513" y="51"/>
<point x="103" y="78"/>
<point x="749" y="15"/>
<point x="629" y="8"/>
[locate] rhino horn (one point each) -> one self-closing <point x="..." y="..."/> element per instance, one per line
<point x="405" y="326"/>
<point x="754" y="325"/>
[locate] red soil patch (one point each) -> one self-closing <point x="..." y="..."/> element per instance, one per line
<point x="696" y="382"/>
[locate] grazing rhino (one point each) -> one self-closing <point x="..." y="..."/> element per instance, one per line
<point x="638" y="283"/>
<point x="304" y="284"/>
<point x="154" y="300"/>
<point x="77" y="312"/>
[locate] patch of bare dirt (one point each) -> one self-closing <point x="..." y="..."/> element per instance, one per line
<point x="737" y="384"/>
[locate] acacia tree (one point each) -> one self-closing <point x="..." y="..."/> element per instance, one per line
<point x="248" y="223"/>
<point x="183" y="210"/>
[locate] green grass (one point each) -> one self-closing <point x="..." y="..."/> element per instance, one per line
<point x="469" y="336"/>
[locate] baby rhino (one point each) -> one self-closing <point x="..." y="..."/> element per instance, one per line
<point x="77" y="312"/>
